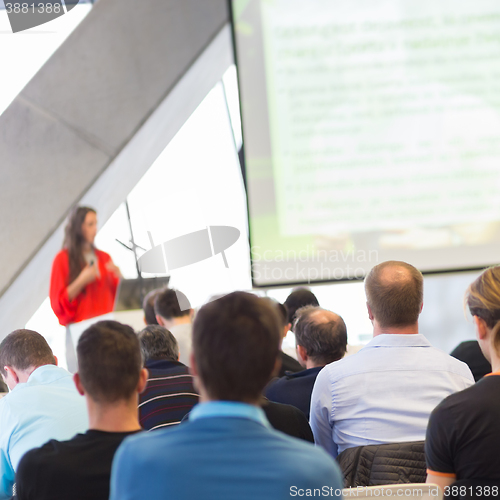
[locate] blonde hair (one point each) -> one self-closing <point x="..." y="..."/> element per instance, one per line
<point x="483" y="299"/>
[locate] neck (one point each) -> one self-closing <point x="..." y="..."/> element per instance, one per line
<point x="121" y="416"/>
<point x="313" y="364"/>
<point x="404" y="330"/>
<point x="495" y="360"/>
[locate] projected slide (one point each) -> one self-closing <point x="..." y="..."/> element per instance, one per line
<point x="371" y="131"/>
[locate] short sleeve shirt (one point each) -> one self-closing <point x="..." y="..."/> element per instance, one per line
<point x="463" y="436"/>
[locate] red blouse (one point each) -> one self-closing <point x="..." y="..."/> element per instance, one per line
<point x="95" y="299"/>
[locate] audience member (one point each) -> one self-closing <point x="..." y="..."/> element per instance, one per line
<point x="227" y="449"/>
<point x="110" y="376"/>
<point x="470" y="353"/>
<point x="148" y="306"/>
<point x="175" y="318"/>
<point x="43" y="403"/>
<point x="288" y="364"/>
<point x="463" y="437"/>
<point x="321" y="338"/>
<point x="385" y="392"/>
<point x="169" y="393"/>
<point x="300" y="297"/>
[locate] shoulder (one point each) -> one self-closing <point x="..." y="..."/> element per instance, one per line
<point x="61" y="257"/>
<point x="102" y="255"/>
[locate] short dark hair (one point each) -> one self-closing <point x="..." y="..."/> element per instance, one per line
<point x="394" y="292"/>
<point x="109" y="361"/>
<point x="300" y="297"/>
<point x="281" y="310"/>
<point x="321" y="333"/>
<point x="158" y="343"/>
<point x="167" y="304"/>
<point x="236" y="340"/>
<point x="148" y="306"/>
<point x="23" y="349"/>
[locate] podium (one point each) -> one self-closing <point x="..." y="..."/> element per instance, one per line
<point x="128" y="310"/>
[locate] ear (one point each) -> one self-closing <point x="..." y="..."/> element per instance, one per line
<point x="12" y="374"/>
<point x="160" y="320"/>
<point x="56" y="360"/>
<point x="145" y="322"/>
<point x="422" y="307"/>
<point x="302" y="354"/>
<point x="143" y="380"/>
<point x="481" y="328"/>
<point x="78" y="384"/>
<point x="370" y="314"/>
<point x="193" y="368"/>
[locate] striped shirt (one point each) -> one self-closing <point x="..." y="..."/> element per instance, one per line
<point x="169" y="394"/>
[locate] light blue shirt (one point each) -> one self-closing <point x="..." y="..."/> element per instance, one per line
<point x="46" y="407"/>
<point x="384" y="393"/>
<point x="227" y="450"/>
<point x="229" y="409"/>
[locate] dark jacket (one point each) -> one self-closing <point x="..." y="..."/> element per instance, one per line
<point x="383" y="464"/>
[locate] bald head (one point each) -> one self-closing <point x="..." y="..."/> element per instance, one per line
<point x="321" y="333"/>
<point x="394" y="292"/>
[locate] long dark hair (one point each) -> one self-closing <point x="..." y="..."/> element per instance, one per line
<point x="73" y="240"/>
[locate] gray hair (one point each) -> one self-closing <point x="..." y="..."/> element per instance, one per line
<point x="158" y="343"/>
<point x="323" y="336"/>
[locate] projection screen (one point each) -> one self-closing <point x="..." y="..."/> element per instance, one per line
<point x="371" y="132"/>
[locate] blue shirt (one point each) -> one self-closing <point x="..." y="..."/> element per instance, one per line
<point x="227" y="450"/>
<point x="47" y="406"/>
<point x="384" y="393"/>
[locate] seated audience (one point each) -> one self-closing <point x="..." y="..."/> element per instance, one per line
<point x="110" y="376"/>
<point x="148" y="306"/>
<point x="321" y="338"/>
<point x="463" y="437"/>
<point x="43" y="403"/>
<point x="169" y="393"/>
<point x="176" y="318"/>
<point x="288" y="364"/>
<point x="300" y="297"/>
<point x="470" y="353"/>
<point x="227" y="449"/>
<point x="385" y="392"/>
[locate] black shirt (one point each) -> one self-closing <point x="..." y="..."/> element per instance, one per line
<point x="288" y="364"/>
<point x="470" y="353"/>
<point x="77" y="469"/>
<point x="463" y="436"/>
<point x="288" y="419"/>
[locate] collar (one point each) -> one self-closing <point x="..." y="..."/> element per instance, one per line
<point x="493" y="373"/>
<point x="399" y="340"/>
<point x="305" y="373"/>
<point x="229" y="409"/>
<point x="44" y="375"/>
<point x="161" y="364"/>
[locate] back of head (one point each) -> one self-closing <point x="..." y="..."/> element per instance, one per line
<point x="300" y="297"/>
<point x="483" y="299"/>
<point x="321" y="333"/>
<point x="236" y="341"/>
<point x="394" y="292"/>
<point x="109" y="361"/>
<point x="280" y="309"/>
<point x="167" y="304"/>
<point x="148" y="306"/>
<point x="23" y="349"/>
<point x="158" y="343"/>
